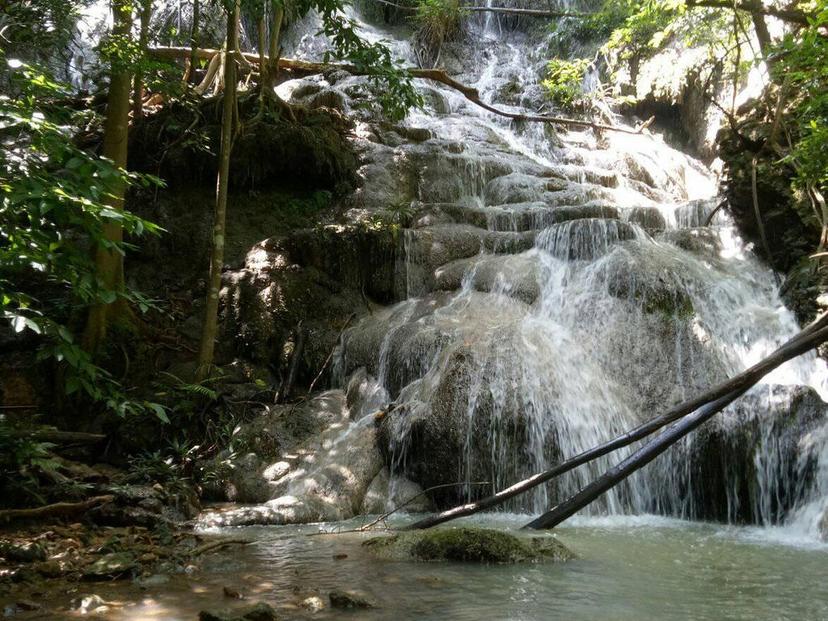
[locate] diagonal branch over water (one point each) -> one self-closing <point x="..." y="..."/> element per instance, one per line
<point x="718" y="397"/>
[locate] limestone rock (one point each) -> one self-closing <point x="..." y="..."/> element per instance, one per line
<point x="470" y="545"/>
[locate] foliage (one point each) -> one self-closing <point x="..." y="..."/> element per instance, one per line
<point x="396" y="91"/>
<point x="52" y="213"/>
<point x="803" y="67"/>
<point x="564" y="81"/>
<point x="38" y="31"/>
<point x="438" y="20"/>
<point x="20" y="458"/>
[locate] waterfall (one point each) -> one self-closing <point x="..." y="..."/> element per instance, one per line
<point x="562" y="289"/>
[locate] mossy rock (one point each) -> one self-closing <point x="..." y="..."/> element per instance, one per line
<point x="469" y="545"/>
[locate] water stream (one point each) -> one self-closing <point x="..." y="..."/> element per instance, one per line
<point x="630" y="568"/>
<point x="563" y="288"/>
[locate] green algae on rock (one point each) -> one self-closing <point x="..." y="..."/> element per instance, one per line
<point x="470" y="545"/>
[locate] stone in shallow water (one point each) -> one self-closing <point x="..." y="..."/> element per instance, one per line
<point x="112" y="565"/>
<point x="259" y="612"/>
<point x="469" y="545"/>
<point x="348" y="600"/>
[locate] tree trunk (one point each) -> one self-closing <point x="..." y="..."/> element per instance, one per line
<point x="762" y="34"/>
<point x="109" y="263"/>
<point x="264" y="66"/>
<point x="274" y="50"/>
<point x="208" y="334"/>
<point x="195" y="36"/>
<point x="143" y="41"/>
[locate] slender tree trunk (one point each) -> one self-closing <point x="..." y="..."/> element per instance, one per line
<point x="762" y="34"/>
<point x="278" y="15"/>
<point x="195" y="40"/>
<point x="208" y="334"/>
<point x="264" y="66"/>
<point x="109" y="263"/>
<point x="143" y="40"/>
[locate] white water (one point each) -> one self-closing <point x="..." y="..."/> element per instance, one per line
<point x="624" y="317"/>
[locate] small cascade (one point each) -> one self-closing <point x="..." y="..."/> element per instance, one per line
<point x="559" y="289"/>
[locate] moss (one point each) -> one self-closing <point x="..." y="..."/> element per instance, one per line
<point x="469" y="545"/>
<point x="674" y="305"/>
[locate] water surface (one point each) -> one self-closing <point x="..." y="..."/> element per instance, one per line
<point x="630" y="568"/>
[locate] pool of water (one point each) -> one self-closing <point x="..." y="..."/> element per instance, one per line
<point x="629" y="568"/>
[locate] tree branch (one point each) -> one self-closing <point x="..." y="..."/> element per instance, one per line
<point x="756" y="7"/>
<point x="58" y="509"/>
<point x="304" y="67"/>
<point x="811" y="336"/>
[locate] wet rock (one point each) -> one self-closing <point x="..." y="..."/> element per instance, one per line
<point x="648" y="218"/>
<point x="112" y="565"/>
<point x="762" y="441"/>
<point x="258" y="612"/>
<point x="822" y="527"/>
<point x="50" y="569"/>
<point x="470" y="545"/>
<point x="93" y="604"/>
<point x="387" y="493"/>
<point x="349" y="600"/>
<point x="27" y="552"/>
<point x="584" y="239"/>
<point x="700" y="241"/>
<point x="313" y="604"/>
<point x="251" y="471"/>
<point x="328" y="480"/>
<point x="515" y="276"/>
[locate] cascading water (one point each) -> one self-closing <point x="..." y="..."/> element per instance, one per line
<point x="561" y="289"/>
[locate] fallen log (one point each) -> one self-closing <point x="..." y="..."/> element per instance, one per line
<point x="61" y="437"/>
<point x="810" y="337"/>
<point x="304" y="67"/>
<point x="56" y="510"/>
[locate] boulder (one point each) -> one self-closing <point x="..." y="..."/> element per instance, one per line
<point x="349" y="600"/>
<point x="112" y="565"/>
<point x="257" y="612"/>
<point x="754" y="464"/>
<point x="388" y="493"/>
<point x="325" y="479"/>
<point x="27" y="552"/>
<point x="468" y="545"/>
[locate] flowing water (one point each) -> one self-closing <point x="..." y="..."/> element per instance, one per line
<point x="561" y="289"/>
<point x="629" y="569"/>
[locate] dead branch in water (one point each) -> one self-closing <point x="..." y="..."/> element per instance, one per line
<point x="304" y="67"/>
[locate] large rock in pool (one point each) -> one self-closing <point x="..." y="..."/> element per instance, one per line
<point x="470" y="545"/>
